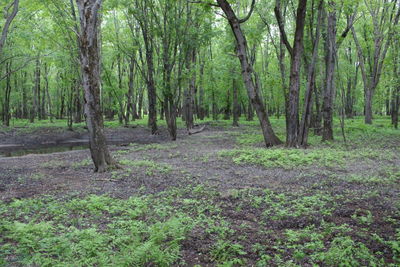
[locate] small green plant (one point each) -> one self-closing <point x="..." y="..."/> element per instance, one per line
<point x="226" y="253"/>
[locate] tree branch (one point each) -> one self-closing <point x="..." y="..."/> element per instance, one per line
<point x="10" y="18"/>
<point x="278" y="15"/>
<point x="253" y="3"/>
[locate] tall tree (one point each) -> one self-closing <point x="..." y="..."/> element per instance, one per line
<point x="385" y="16"/>
<point x="296" y="53"/>
<point x="249" y="79"/>
<point x="90" y="67"/>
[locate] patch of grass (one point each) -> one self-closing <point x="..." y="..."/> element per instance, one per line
<point x="82" y="163"/>
<point x="150" y="166"/>
<point x="54" y="164"/>
<point x="138" y="147"/>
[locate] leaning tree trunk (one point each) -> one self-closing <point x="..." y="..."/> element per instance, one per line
<point x="90" y="66"/>
<point x="248" y="74"/>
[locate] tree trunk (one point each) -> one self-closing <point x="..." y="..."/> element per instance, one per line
<point x="236" y="105"/>
<point x="90" y="66"/>
<point x="248" y="75"/>
<point x="49" y="107"/>
<point x="330" y="61"/>
<point x="201" y="112"/>
<point x="6" y="104"/>
<point x="305" y="122"/>
<point x="296" y="52"/>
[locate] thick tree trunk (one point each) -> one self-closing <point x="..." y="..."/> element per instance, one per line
<point x="90" y="66"/>
<point x="248" y="75"/>
<point x="368" y="105"/>
<point x="151" y="88"/>
<point x="329" y="92"/>
<point x="292" y="130"/>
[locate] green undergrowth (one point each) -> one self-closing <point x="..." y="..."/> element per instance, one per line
<point x="287" y="229"/>
<point x="150" y="168"/>
<point x="291" y="158"/>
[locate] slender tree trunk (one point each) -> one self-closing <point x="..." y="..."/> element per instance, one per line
<point x="236" y="105"/>
<point x="248" y="75"/>
<point x="49" y="106"/>
<point x="7" y="24"/>
<point x="90" y="66"/>
<point x="6" y="104"/>
<point x="201" y="112"/>
<point x="24" y="96"/>
<point x="37" y="89"/>
<point x="227" y="109"/>
<point x="214" y="108"/>
<point x="305" y="122"/>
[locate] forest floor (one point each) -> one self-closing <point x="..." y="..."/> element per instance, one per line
<point x="217" y="198"/>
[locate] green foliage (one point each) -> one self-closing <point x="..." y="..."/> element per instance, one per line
<point x="346" y="252"/>
<point x="96" y="230"/>
<point x="286" y="158"/>
<point x="225" y="253"/>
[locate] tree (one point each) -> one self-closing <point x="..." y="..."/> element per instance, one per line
<point x="90" y="67"/>
<point x="385" y="16"/>
<point x="251" y="83"/>
<point x="296" y="53"/>
<point x="9" y="18"/>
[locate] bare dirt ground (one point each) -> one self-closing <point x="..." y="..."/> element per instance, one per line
<point x="196" y="159"/>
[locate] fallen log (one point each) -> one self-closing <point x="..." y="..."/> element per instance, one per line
<point x="195" y="131"/>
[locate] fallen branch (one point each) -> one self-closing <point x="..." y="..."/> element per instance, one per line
<point x="195" y="131"/>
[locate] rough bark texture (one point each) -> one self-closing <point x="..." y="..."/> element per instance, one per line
<point x="296" y="52"/>
<point x="248" y="75"/>
<point x="90" y="67"/>
<point x="329" y="92"/>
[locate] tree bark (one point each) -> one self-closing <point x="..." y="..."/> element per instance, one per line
<point x="248" y="75"/>
<point x="236" y="105"/>
<point x="330" y="63"/>
<point x="296" y="52"/>
<point x="90" y="67"/>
